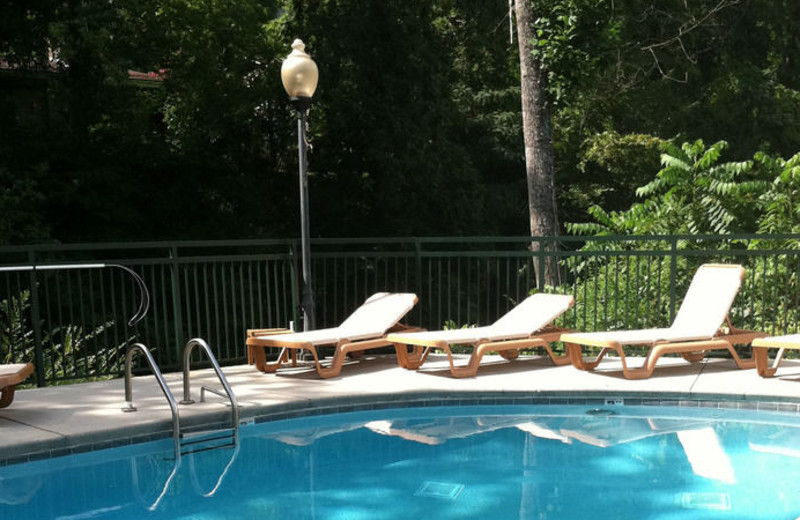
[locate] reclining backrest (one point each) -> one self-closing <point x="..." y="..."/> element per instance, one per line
<point x="533" y="313"/>
<point x="708" y="299"/>
<point x="378" y="314"/>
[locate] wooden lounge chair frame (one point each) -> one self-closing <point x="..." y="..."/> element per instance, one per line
<point x="692" y="349"/>
<point x="10" y="377"/>
<point x="761" y="348"/>
<point x="507" y="348"/>
<point x="256" y="347"/>
<point x="290" y="343"/>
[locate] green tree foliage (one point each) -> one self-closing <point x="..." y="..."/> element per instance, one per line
<point x="696" y="193"/>
<point x="114" y="159"/>
<point x="386" y="151"/>
<point x="223" y="115"/>
<point x="485" y="90"/>
<point x="781" y="203"/>
<point x="612" y="167"/>
<point x="415" y="127"/>
<point x="712" y="69"/>
<point x="692" y="194"/>
<point x="69" y="349"/>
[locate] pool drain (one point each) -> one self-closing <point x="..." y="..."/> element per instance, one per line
<point x="443" y="490"/>
<point x="713" y="501"/>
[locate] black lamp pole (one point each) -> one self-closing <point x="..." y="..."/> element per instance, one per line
<point x="307" y="297"/>
<point x="300" y="75"/>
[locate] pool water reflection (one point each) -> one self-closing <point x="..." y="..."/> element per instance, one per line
<point x="542" y="462"/>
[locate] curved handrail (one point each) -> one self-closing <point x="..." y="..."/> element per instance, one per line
<point x="176" y="428"/>
<point x="144" y="302"/>
<point x="187" y="393"/>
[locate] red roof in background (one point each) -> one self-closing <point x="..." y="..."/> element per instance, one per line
<point x="57" y="66"/>
<point x="147" y="76"/>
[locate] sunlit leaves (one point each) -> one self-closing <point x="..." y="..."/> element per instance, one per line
<point x="693" y="193"/>
<point x="781" y="203"/>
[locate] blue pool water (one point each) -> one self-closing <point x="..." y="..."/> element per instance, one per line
<point x="521" y="462"/>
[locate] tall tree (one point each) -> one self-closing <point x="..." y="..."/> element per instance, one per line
<point x="537" y="129"/>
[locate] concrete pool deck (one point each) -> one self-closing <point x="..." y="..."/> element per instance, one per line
<point x="59" y="420"/>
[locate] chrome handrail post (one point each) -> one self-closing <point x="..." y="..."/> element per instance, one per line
<point x="176" y="428"/>
<point x="187" y="393"/>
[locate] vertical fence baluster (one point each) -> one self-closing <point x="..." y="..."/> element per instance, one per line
<point x="93" y="319"/>
<point x="673" y="277"/>
<point x="47" y="318"/>
<point x="596" y="288"/>
<point x="37" y="327"/>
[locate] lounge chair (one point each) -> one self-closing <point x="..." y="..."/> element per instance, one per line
<point x="695" y="330"/>
<point x="10" y="377"/>
<point x="365" y="329"/>
<point x="760" y="352"/>
<point x="526" y="326"/>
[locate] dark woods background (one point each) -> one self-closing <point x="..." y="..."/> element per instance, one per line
<point x="166" y="119"/>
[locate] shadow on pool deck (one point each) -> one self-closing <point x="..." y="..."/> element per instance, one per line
<point x="59" y="420"/>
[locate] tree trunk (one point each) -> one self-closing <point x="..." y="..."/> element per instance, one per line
<point x="539" y="153"/>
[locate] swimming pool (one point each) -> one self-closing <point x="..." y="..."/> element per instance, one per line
<point x="492" y="462"/>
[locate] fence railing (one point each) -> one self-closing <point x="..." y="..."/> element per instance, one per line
<point x="73" y="322"/>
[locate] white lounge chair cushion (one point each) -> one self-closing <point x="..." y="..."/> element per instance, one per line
<point x="791" y="341"/>
<point x="533" y="313"/>
<point x="14" y="373"/>
<point x="639" y="336"/>
<point x="466" y="336"/>
<point x="707" y="302"/>
<point x="14" y="368"/>
<point x="378" y="314"/>
<point x="315" y="337"/>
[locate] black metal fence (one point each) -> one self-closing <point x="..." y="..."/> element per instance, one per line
<point x="72" y="320"/>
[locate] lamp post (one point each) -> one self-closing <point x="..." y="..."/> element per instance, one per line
<point x="299" y="75"/>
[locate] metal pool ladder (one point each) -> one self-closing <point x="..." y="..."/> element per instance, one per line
<point x="185" y="443"/>
<point x="220" y="437"/>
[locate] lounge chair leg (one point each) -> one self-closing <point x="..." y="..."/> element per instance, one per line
<point x="578" y="361"/>
<point x="7" y="395"/>
<point x="259" y="357"/>
<point x="283" y="357"/>
<point x="643" y="372"/>
<point x="411" y="360"/>
<point x="742" y="363"/>
<point x="762" y="362"/>
<point x="557" y="360"/>
<point x="509" y="354"/>
<point x="647" y="368"/>
<point x="693" y="357"/>
<point x="471" y="368"/>
<point x="335" y="367"/>
<point x="468" y="370"/>
<point x="342" y="351"/>
<point x="408" y="360"/>
<point x="511" y="350"/>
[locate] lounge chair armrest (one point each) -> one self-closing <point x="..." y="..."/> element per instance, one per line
<point x="402" y="327"/>
<point x="262" y="332"/>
